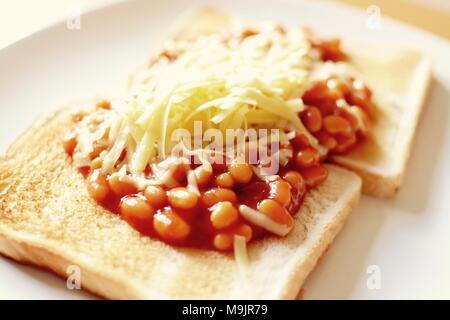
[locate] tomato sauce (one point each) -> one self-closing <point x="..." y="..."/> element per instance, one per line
<point x="337" y="129"/>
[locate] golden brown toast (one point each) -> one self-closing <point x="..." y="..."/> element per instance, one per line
<point x="48" y="219"/>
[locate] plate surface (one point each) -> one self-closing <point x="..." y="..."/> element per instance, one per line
<point x="404" y="241"/>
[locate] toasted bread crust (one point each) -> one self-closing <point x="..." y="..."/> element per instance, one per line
<point x="47" y="219"/>
<point x="32" y="254"/>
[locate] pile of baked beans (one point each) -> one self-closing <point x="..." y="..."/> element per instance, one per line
<point x="179" y="216"/>
<point x="338" y="129"/>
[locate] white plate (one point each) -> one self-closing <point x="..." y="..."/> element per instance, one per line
<point x="407" y="239"/>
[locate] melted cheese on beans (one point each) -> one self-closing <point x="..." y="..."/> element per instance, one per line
<point x="254" y="81"/>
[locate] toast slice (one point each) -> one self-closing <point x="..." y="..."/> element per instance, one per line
<point x="400" y="80"/>
<point x="48" y="219"/>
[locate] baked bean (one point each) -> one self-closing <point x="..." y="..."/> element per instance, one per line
<point x="170" y="226"/>
<point x="215" y="195"/>
<point x="322" y="97"/>
<point x="314" y="175"/>
<point x="280" y="191"/>
<point x="241" y="172"/>
<point x="354" y="123"/>
<point x="337" y="125"/>
<point x="244" y="230"/>
<point x="312" y="119"/>
<point x="316" y="93"/>
<point x="136" y="210"/>
<point x="321" y="94"/>
<point x="96" y="163"/>
<point x="182" y="198"/>
<point x="296" y="180"/>
<point x="97" y="186"/>
<point x="70" y="142"/>
<point x="119" y="187"/>
<point x="288" y="150"/>
<point x="363" y="127"/>
<point x="103" y="104"/>
<point x="203" y="176"/>
<point x="344" y="143"/>
<point x="225" y="180"/>
<point x="223" y="241"/>
<point x="223" y="214"/>
<point x="98" y="148"/>
<point x="355" y="99"/>
<point x="300" y="141"/>
<point x="330" y="50"/>
<point x="334" y="95"/>
<point x="276" y="212"/>
<point x="326" y="140"/>
<point x="156" y="196"/>
<point x="307" y="157"/>
<point x="339" y="85"/>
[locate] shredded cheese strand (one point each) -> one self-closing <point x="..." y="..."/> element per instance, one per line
<point x="254" y="83"/>
<point x="261" y="220"/>
<point x="240" y="253"/>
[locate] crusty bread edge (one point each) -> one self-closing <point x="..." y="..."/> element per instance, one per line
<point x="26" y="251"/>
